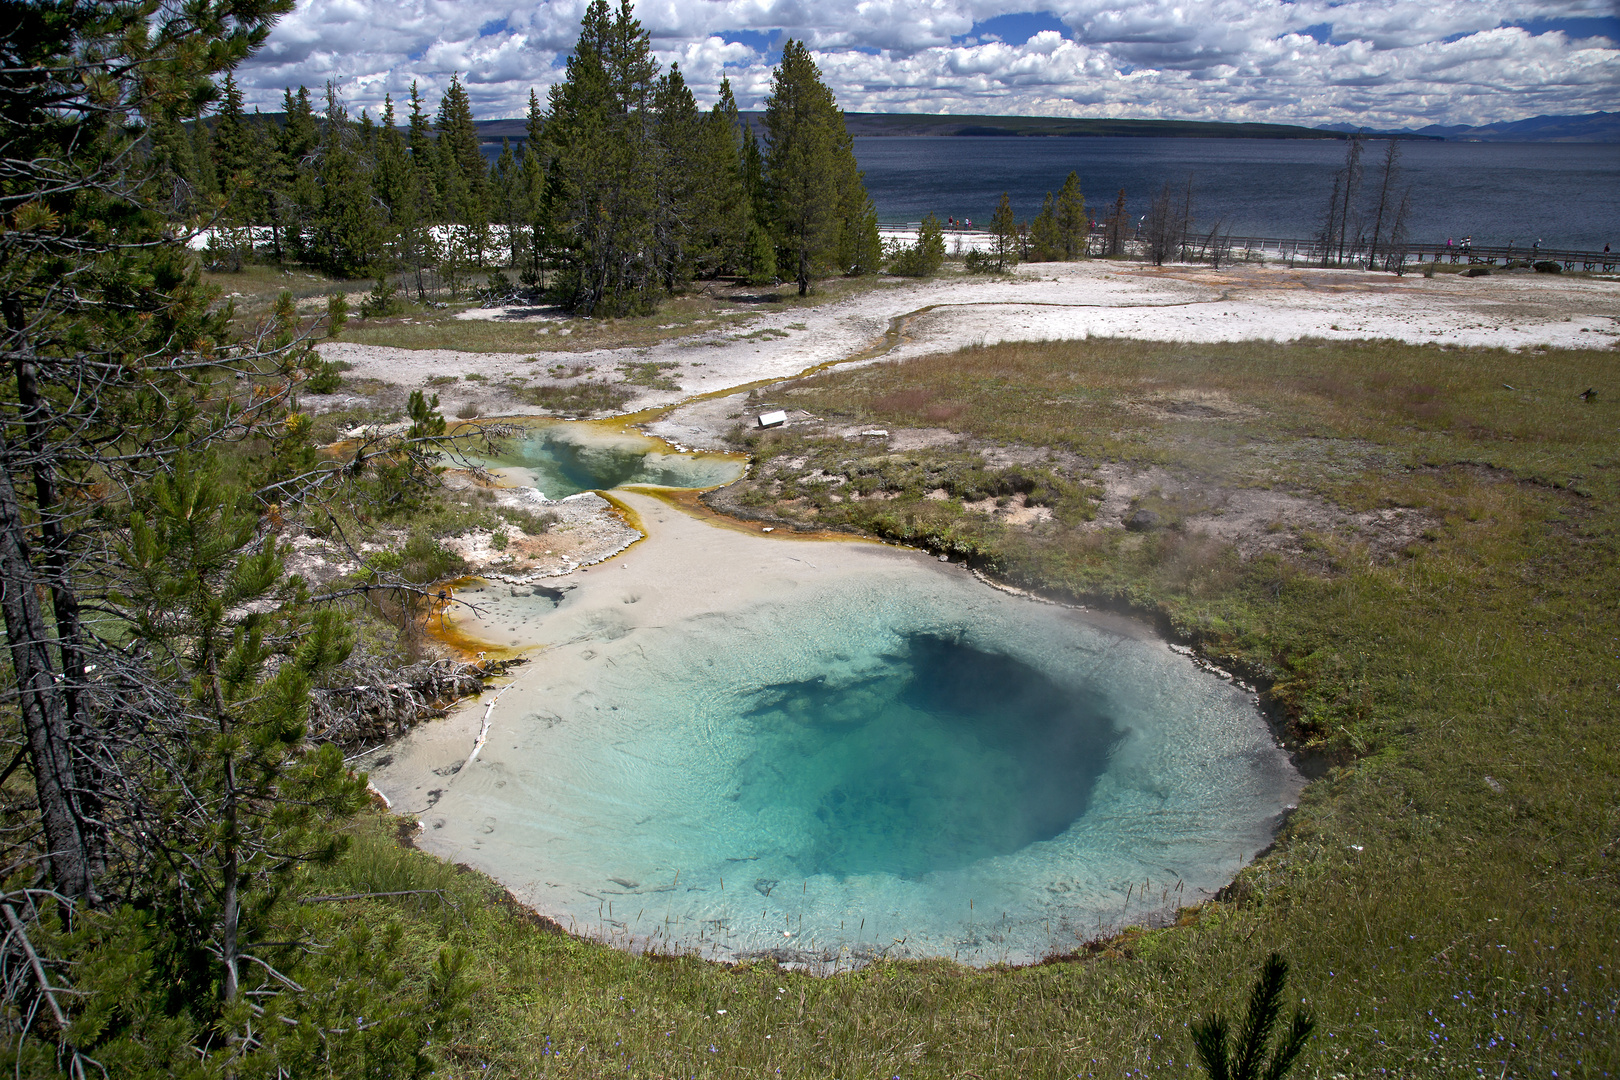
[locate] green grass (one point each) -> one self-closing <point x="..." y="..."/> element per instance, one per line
<point x="1447" y="891"/>
<point x="677" y="317"/>
<point x="580" y="399"/>
<point x="651" y="374"/>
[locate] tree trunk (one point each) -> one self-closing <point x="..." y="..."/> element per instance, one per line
<point x="50" y="705"/>
<point x="40" y="700"/>
<point x="1391" y="156"/>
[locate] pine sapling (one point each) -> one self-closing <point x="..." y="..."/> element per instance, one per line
<point x="1244" y="1060"/>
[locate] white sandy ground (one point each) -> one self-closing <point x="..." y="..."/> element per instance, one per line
<point x="1061" y="301"/>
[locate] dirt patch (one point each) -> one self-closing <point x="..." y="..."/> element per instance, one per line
<point x="1192" y="405"/>
<point x="582" y="530"/>
<point x="1254" y="521"/>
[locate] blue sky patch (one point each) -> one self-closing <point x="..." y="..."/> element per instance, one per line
<point x="1322" y="32"/>
<point x="497" y="26"/>
<point x="761" y="41"/>
<point x="1015" y="29"/>
<point x="1575" y="28"/>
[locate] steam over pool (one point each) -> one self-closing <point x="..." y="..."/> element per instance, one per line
<point x="829" y="751"/>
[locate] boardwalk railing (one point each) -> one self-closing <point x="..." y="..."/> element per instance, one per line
<point x="1204" y="247"/>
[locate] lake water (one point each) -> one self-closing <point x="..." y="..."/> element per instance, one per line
<point x="1566" y="195"/>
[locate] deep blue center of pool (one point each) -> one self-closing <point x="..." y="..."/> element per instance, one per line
<point x="947" y="756"/>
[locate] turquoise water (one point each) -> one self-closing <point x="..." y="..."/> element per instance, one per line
<point x="829" y="766"/>
<point x="947" y="755"/>
<point x="562" y="458"/>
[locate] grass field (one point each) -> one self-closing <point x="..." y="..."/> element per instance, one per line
<point x="1448" y="891"/>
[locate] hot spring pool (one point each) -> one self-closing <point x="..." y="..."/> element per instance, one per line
<point x="560" y="458"/>
<point x="833" y="751"/>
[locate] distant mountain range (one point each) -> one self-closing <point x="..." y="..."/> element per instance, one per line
<point x="1067" y="127"/>
<point x="1601" y="127"/>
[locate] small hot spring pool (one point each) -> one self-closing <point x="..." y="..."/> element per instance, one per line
<point x="560" y="458"/>
<point x="885" y="760"/>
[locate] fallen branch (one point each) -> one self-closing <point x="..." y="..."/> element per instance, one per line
<point x="483" y="733"/>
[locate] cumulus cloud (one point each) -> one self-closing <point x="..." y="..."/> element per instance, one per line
<point x="1382" y="63"/>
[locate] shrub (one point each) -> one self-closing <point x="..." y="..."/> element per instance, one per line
<point x="337" y="314"/>
<point x="327" y="377"/>
<point x="382" y="302"/>
<point x="978" y="262"/>
<point x="924" y="258"/>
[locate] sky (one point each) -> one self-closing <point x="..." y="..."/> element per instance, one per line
<point x="1383" y="64"/>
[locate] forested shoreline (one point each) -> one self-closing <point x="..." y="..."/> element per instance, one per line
<point x="622" y="191"/>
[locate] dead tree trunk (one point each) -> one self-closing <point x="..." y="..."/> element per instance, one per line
<point x="1386" y="184"/>
<point x="1352" y="183"/>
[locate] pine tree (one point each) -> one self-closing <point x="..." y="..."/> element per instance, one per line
<point x="174" y="790"/>
<point x="297" y="192"/>
<point x="507" y="202"/>
<point x="536" y="205"/>
<point x="195" y="563"/>
<point x="1347" y="186"/>
<point x="236" y="153"/>
<point x="802" y="164"/>
<point x="1117" y="229"/>
<point x="391" y="181"/>
<point x="201" y="161"/>
<point x="927" y="255"/>
<point x="680" y="184"/>
<point x="721" y="220"/>
<point x="603" y="176"/>
<point x="860" y="251"/>
<point x="1184" y="221"/>
<point x="1005" y="232"/>
<point x="1072" y="226"/>
<point x="1384" y="213"/>
<point x="421" y="144"/>
<point x="1244" y="1058"/>
<point x="233" y="150"/>
<point x="759" y="246"/>
<point x="346" y="234"/>
<point x="463" y="180"/>
<point x="1045" y="240"/>
<point x="1162" y="233"/>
